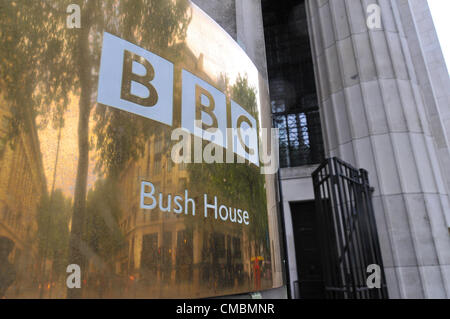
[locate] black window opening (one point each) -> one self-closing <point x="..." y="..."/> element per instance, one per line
<point x="291" y="82"/>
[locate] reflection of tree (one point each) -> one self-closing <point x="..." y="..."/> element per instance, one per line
<point x="238" y="185"/>
<point x="36" y="74"/>
<point x="253" y="181"/>
<point x="155" y="25"/>
<point x="244" y="95"/>
<point x="158" y="26"/>
<point x="103" y="212"/>
<point x="41" y="61"/>
<point x="53" y="230"/>
<point x="35" y="64"/>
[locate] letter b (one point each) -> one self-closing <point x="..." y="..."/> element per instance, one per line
<point x="128" y="77"/>
<point x="135" y="80"/>
<point x="149" y="195"/>
<point x="204" y="109"/>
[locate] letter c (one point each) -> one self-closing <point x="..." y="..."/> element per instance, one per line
<point x="221" y="310"/>
<point x="240" y="120"/>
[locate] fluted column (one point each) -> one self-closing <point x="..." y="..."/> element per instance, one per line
<point x="373" y="116"/>
<point x="432" y="76"/>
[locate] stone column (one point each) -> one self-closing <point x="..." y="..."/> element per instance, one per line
<point x="373" y="116"/>
<point x="432" y="76"/>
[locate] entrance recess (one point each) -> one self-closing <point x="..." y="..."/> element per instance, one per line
<point x="310" y="283"/>
<point x="347" y="231"/>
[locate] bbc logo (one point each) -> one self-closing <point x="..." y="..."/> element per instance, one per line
<point x="138" y="81"/>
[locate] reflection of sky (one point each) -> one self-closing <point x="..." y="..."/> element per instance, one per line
<point x="440" y="9"/>
<point x="220" y="52"/>
<point x="68" y="155"/>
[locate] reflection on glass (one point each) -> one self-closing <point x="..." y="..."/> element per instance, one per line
<point x="71" y="169"/>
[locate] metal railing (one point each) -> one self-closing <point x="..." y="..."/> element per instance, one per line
<point x="348" y="233"/>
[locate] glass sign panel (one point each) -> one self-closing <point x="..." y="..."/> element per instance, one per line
<point x="130" y="154"/>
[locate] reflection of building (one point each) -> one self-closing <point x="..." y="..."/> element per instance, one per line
<point x="166" y="248"/>
<point x="22" y="182"/>
<point x="152" y="236"/>
<point x="169" y="249"/>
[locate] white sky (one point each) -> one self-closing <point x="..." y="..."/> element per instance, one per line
<point x="440" y="10"/>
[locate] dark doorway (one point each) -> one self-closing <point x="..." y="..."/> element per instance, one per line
<point x="307" y="250"/>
